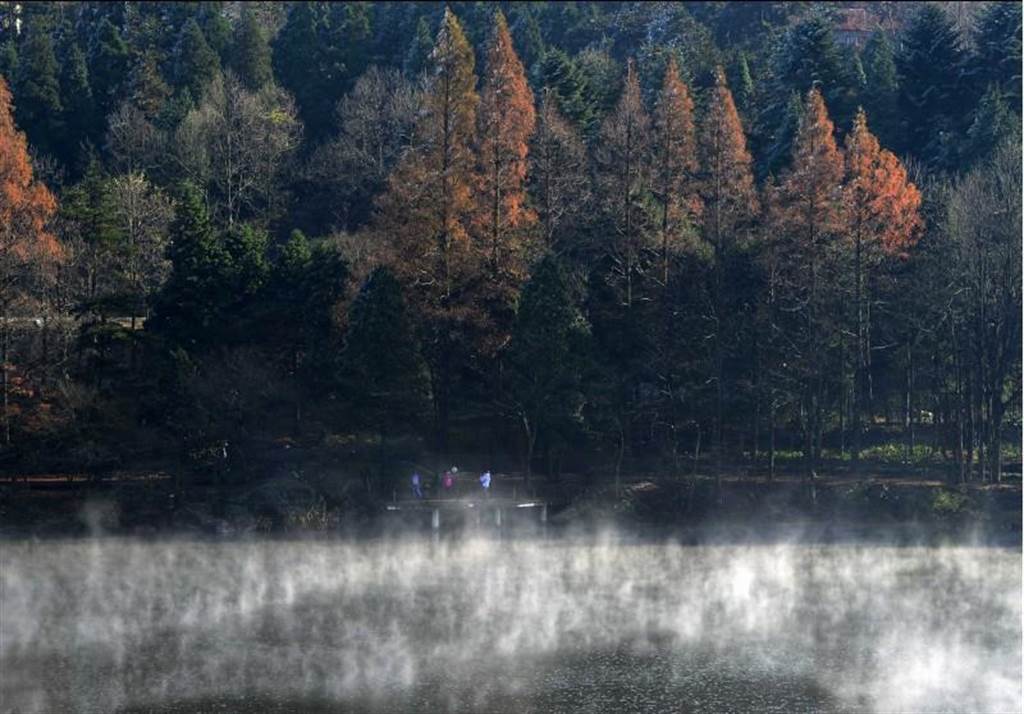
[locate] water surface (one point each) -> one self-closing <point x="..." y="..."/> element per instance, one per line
<point x="483" y="624"/>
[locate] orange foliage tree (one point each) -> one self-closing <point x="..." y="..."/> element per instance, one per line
<point x="504" y="222"/>
<point x="883" y="220"/>
<point x="808" y="218"/>
<point x="729" y="204"/>
<point x="506" y="122"/>
<point x="28" y="250"/>
<point x="425" y="215"/>
<point x="675" y="160"/>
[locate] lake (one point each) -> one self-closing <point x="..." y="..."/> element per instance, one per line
<point x="484" y="624"/>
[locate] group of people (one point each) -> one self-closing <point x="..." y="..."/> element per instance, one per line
<point x="446" y="482"/>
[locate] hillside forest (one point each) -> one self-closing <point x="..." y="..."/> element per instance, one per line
<point x="604" y="238"/>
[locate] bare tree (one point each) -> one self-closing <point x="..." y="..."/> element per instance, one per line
<point x="135" y="144"/>
<point x="144" y="215"/>
<point x="237" y="144"/>
<point x="983" y="222"/>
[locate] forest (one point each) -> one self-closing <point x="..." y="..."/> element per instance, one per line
<point x="599" y="238"/>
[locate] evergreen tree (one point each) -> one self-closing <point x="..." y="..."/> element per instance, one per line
<point x="561" y="75"/>
<point x="383" y="376"/>
<point x="89" y="207"/>
<point x="347" y="39"/>
<point x="931" y="98"/>
<point x="744" y="87"/>
<point x="807" y="57"/>
<point x="108" y="67"/>
<point x="147" y="90"/>
<point x="196" y="63"/>
<point x="603" y="84"/>
<point x="993" y="122"/>
<point x="881" y="90"/>
<point x="188" y="309"/>
<point x="250" y="54"/>
<point x="418" y="55"/>
<point x="79" y="108"/>
<point x="997" y="54"/>
<point x="547" y="359"/>
<point x="528" y="37"/>
<point x="307" y="67"/>
<point x="39" y="108"/>
<point x="216" y="29"/>
<point x="777" y="155"/>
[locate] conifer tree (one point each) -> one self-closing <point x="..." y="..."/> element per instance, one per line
<point x="675" y="163"/>
<point x="931" y="100"/>
<point x="197" y="63"/>
<point x="561" y="75"/>
<point x="250" y="54"/>
<point x="39" y="107"/>
<point x="881" y="93"/>
<point x="730" y="201"/>
<point x="623" y="180"/>
<point x="882" y="219"/>
<point x="993" y="122"/>
<point x="558" y="176"/>
<point x="187" y="309"/>
<point x="147" y="90"/>
<point x="547" y="358"/>
<point x="807" y="218"/>
<point x="425" y="215"/>
<point x="79" y="108"/>
<point x="417" y="57"/>
<point x="997" y="54"/>
<point x="383" y="376"/>
<point x="108" y="67"/>
<point x="506" y="121"/>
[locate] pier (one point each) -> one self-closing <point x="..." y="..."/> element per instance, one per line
<point x="482" y="511"/>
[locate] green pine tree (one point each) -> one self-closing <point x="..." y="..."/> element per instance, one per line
<point x="997" y="53"/>
<point x="197" y="64"/>
<point x="108" y="69"/>
<point x="250" y="54"/>
<point x="546" y="360"/>
<point x="562" y="76"/>
<point x="38" y="110"/>
<point x="418" y="54"/>
<point x="881" y="90"/>
<point x="383" y="376"/>
<point x="932" y="96"/>
<point x="188" y="309"/>
<point x="79" y="108"/>
<point x="993" y="123"/>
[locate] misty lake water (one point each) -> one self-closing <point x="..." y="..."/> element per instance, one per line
<point x="484" y="624"/>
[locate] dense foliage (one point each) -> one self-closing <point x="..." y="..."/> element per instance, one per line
<point x="584" y="232"/>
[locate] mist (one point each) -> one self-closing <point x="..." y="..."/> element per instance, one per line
<point x="476" y="622"/>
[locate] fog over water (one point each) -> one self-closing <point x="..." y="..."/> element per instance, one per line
<point x="478" y="623"/>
